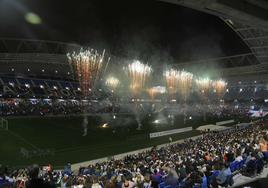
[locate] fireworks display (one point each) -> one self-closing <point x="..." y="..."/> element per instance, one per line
<point x="153" y="91"/>
<point x="179" y="81"/>
<point x="185" y="80"/>
<point x="171" y="77"/>
<point x="138" y="74"/>
<point x="204" y="85"/>
<point x="219" y="86"/>
<point x="112" y="82"/>
<point x="86" y="65"/>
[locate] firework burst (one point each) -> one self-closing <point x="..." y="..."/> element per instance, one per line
<point x="138" y="74"/>
<point x="112" y="82"/>
<point x="171" y="77"/>
<point x="153" y="91"/>
<point x="204" y="85"/>
<point x="87" y="65"/>
<point x="219" y="86"/>
<point x="185" y="80"/>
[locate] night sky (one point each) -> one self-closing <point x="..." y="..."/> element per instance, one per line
<point x="127" y="28"/>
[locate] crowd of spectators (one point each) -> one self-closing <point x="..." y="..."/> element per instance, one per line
<point x="44" y="107"/>
<point x="208" y="161"/>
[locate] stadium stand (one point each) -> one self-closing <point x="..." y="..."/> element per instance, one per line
<point x="210" y="160"/>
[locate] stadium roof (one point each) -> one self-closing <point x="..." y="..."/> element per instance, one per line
<point x="249" y="19"/>
<point x="162" y="38"/>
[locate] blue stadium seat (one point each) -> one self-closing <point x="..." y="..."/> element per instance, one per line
<point x="168" y="186"/>
<point x="235" y="165"/>
<point x="215" y="173"/>
<point x="204" y="182"/>
<point x="265" y="154"/>
<point x="162" y="185"/>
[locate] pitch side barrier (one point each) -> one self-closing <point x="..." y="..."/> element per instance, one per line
<point x="170" y="132"/>
<point x="225" y="122"/>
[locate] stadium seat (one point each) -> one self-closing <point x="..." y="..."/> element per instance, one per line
<point x="168" y="186"/>
<point x="215" y="173"/>
<point x="162" y="185"/>
<point x="265" y="154"/>
<point x="234" y="166"/>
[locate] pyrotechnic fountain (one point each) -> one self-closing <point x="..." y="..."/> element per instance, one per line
<point x="112" y="83"/>
<point x="219" y="87"/>
<point x="185" y="80"/>
<point x="204" y="85"/>
<point x="87" y="65"/>
<point x="171" y="77"/>
<point x="138" y="73"/>
<point x="153" y="91"/>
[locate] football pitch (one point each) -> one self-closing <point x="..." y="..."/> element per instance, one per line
<point x="59" y="140"/>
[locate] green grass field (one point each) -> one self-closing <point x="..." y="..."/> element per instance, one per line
<point x="60" y="140"/>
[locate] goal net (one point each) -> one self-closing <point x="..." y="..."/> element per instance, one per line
<point x="3" y="124"/>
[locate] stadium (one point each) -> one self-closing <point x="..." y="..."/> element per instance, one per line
<point x="179" y="108"/>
